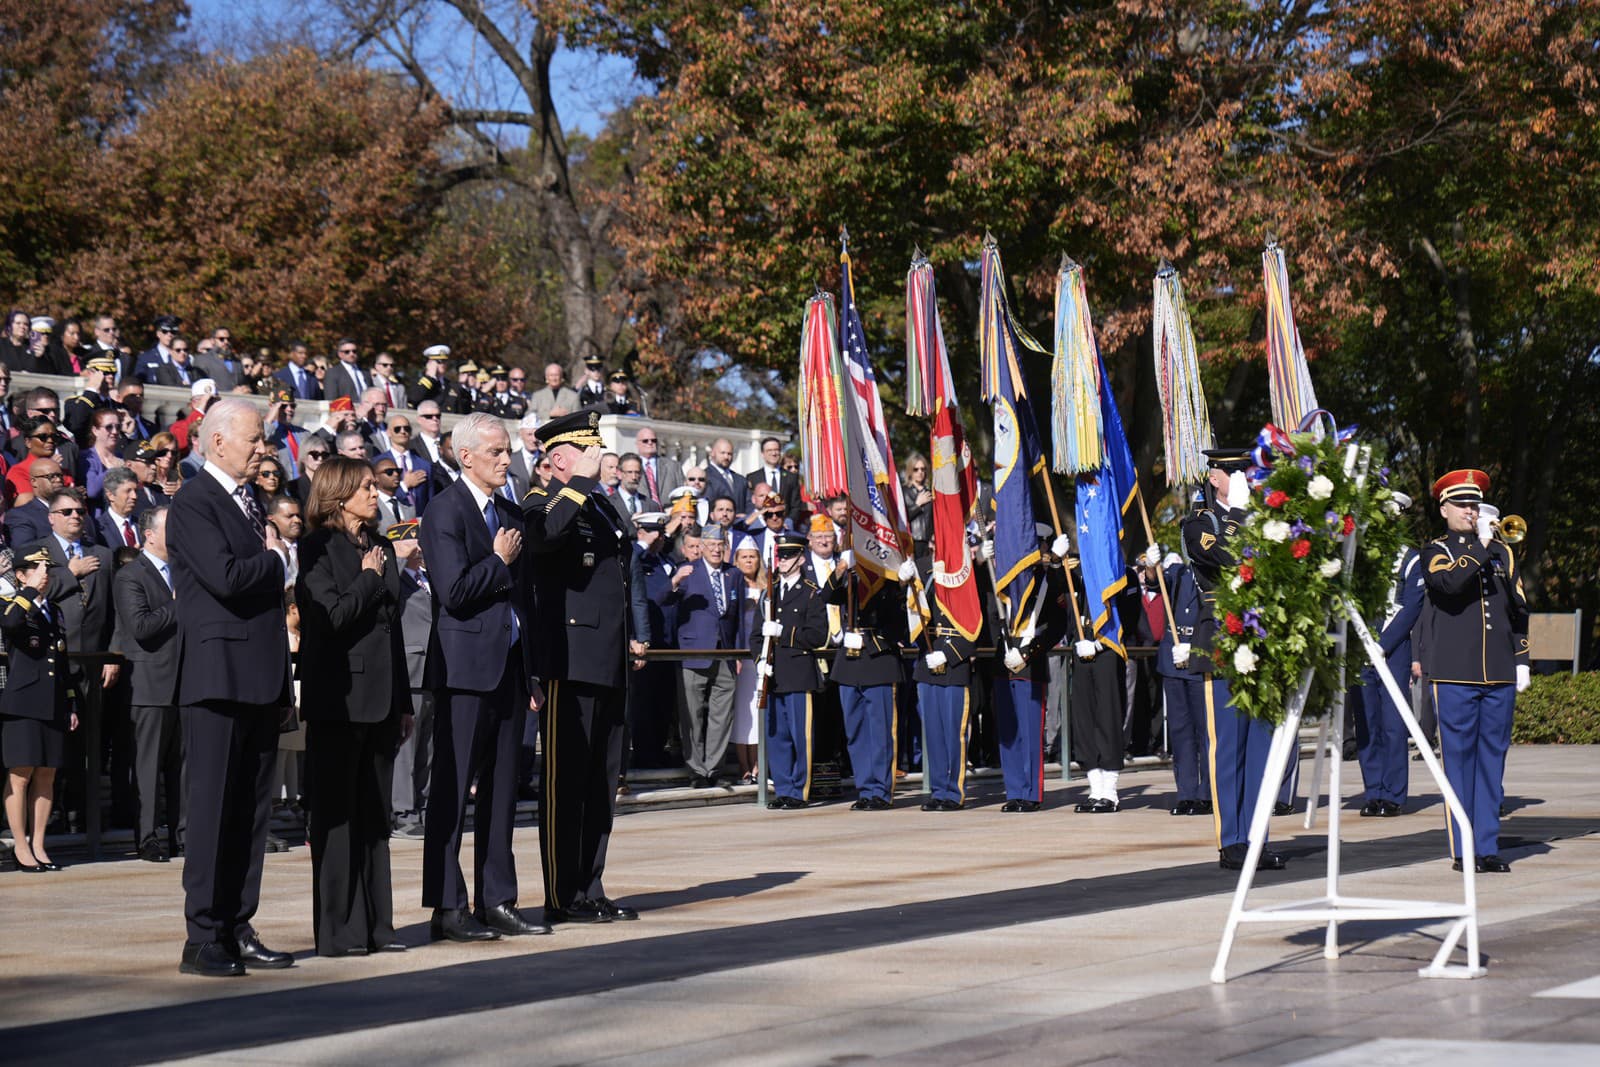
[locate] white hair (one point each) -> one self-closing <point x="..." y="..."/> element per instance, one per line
<point x="530" y="421"/>
<point x="471" y="431"/>
<point x="222" y="417"/>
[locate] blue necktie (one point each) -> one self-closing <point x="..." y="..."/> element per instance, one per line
<point x="492" y="520"/>
<point x="721" y="593"/>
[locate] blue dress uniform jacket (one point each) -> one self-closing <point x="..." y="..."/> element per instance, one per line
<point x="1480" y="617"/>
<point x="36" y="681"/>
<point x="882" y="622"/>
<point x="943" y="637"/>
<point x="655" y="615"/>
<point x="803" y="614"/>
<point x="580" y="566"/>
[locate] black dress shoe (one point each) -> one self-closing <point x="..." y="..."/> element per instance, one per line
<point x="1281" y="808"/>
<point x="933" y="805"/>
<point x="796" y="803"/>
<point x="880" y="803"/>
<point x="1020" y="805"/>
<point x="507" y="920"/>
<point x="389" y="946"/>
<point x="46" y="865"/>
<point x="1272" y="861"/>
<point x="454" y="924"/>
<point x="579" y="911"/>
<point x="1105" y="806"/>
<point x="1493" y="865"/>
<point x="1372" y="809"/>
<point x="209" y="960"/>
<point x="862" y="804"/>
<point x="1183" y="807"/>
<point x="700" y="781"/>
<point x="1391" y="809"/>
<point x="1201" y="807"/>
<point x="151" y="850"/>
<point x="256" y="956"/>
<point x="31" y="868"/>
<point x="617" y="912"/>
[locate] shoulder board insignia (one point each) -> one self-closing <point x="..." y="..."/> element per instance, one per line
<point x="82" y="399"/>
<point x="531" y="493"/>
<point x="1207" y="540"/>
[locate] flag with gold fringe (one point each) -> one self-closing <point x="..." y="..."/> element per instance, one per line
<point x="1288" y="375"/>
<point x="930" y="390"/>
<point x="1185" y="422"/>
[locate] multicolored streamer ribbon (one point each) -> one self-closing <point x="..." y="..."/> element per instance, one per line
<point x="1075" y="379"/>
<point x="821" y="390"/>
<point x="1185" y="422"/>
<point x="1289" y="376"/>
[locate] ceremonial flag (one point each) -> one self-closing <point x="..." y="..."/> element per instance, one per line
<point x="1104" y="494"/>
<point x="1074" y="378"/>
<point x="877" y="512"/>
<point x="930" y="390"/>
<point x="1018" y="456"/>
<point x="1290" y="378"/>
<point x="822" y="402"/>
<point x="1185" y="422"/>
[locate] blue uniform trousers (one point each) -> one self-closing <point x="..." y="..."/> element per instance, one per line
<point x="1474" y="733"/>
<point x="1019" y="721"/>
<point x="1239" y="747"/>
<point x="1381" y="736"/>
<point x="789" y="744"/>
<point x="869" y="735"/>
<point x="1186" y="736"/>
<point x="944" y="720"/>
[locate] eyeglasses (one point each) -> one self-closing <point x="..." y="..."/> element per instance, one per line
<point x="47" y="437"/>
<point x="399" y="429"/>
<point x="387" y="472"/>
<point x="383" y="366"/>
<point x="694" y="479"/>
<point x="647" y="440"/>
<point x="316" y="454"/>
<point x="158" y="453"/>
<point x="517" y="379"/>
<point x="430" y="418"/>
<point x="48" y="413"/>
<point x="347" y="351"/>
<point x="66" y="511"/>
<point x="163" y="329"/>
<point x="265" y="473"/>
<point x="51" y="476"/>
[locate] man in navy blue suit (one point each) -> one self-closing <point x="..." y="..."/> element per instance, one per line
<point x="479" y="668"/>
<point x="708" y="617"/>
<point x="1380" y="733"/>
<point x="297" y="377"/>
<point x="228" y="566"/>
<point x="652" y="689"/>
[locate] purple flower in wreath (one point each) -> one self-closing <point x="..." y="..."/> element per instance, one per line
<point x="1331" y="518"/>
<point x="1249" y="553"/>
<point x="1252" y="622"/>
<point x="1383" y="476"/>
<point x="1299" y="528"/>
<point x="1307" y="464"/>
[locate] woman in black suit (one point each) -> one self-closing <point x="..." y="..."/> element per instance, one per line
<point x="356" y="703"/>
<point x="35" y="708"/>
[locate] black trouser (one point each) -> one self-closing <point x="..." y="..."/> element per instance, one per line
<point x="157" y="751"/>
<point x="349" y="772"/>
<point x="582" y="726"/>
<point x="1096" y="711"/>
<point x="1142" y="733"/>
<point x="475" y="736"/>
<point x="230" y="750"/>
<point x="652" y="706"/>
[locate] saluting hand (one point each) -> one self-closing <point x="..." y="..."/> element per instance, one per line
<point x="373" y="560"/>
<point x="588" y="464"/>
<point x="507" y="544"/>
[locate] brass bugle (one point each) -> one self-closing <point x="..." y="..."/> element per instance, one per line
<point x="1512" y="529"/>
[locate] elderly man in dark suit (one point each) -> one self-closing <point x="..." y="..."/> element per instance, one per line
<point x="146" y="635"/>
<point x="480" y="669"/>
<point x="707" y="599"/>
<point x="228" y="567"/>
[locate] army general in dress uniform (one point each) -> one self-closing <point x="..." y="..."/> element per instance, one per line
<point x="1477" y="657"/>
<point x="580" y="562"/>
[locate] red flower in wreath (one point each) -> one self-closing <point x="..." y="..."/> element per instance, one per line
<point x="1234" y="623"/>
<point x="1247" y="573"/>
<point x="1277" y="498"/>
<point x="1349" y="525"/>
<point x="1301" y="548"/>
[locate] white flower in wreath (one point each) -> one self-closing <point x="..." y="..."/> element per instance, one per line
<point x="1320" y="488"/>
<point x="1275" y="530"/>
<point x="1244" y="660"/>
<point x="1390" y="508"/>
<point x="1235" y="583"/>
<point x="1331" y="567"/>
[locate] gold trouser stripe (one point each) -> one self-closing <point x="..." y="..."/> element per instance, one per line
<point x="805" y="794"/>
<point x="547" y="817"/>
<point x="1211" y="756"/>
<point x="961" y="747"/>
<point x="1438" y="730"/>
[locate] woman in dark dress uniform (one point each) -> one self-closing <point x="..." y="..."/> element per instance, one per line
<point x="35" y="708"/>
<point x="356" y="702"/>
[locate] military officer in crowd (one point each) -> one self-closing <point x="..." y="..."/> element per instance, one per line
<point x="1477" y="656"/>
<point x="1239" y="743"/>
<point x="1184" y="679"/>
<point x="943" y="676"/>
<point x="580" y="562"/>
<point x="798" y="626"/>
<point x="430" y="383"/>
<point x="78" y="415"/>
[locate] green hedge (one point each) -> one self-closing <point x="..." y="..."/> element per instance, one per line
<point x="1559" y="709"/>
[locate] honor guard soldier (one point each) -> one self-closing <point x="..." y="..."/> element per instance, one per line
<point x="943" y="674"/>
<point x="1477" y="656"/>
<point x="1239" y="743"/>
<point x="580" y="563"/>
<point x="504" y="403"/>
<point x="1381" y="739"/>
<point x="617" y="401"/>
<point x="1096" y="704"/>
<point x="798" y="627"/>
<point x="430" y="383"/>
<point x="1022" y="682"/>
<point x="866" y="669"/>
<point x="1184" y="680"/>
<point x="80" y="408"/>
<point x="592" y="390"/>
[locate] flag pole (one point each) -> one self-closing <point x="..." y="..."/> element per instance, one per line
<point x="1055" y="521"/>
<point x="1161" y="574"/>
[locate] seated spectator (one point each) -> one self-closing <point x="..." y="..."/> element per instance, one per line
<point x="179" y="372"/>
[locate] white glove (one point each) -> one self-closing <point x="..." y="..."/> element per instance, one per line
<point x="763" y="668"/>
<point x="1485" y="530"/>
<point x="847" y="559"/>
<point x="1238" y="490"/>
<point x="934" y="660"/>
<point x="1524" y="677"/>
<point x="852" y="640"/>
<point x="1013" y="660"/>
<point x="1489" y="511"/>
<point x="1061" y="546"/>
<point x="771" y="628"/>
<point x="908" y="570"/>
<point x="1085" y="649"/>
<point x="1172" y="559"/>
<point x="1152" y="556"/>
<point x="986" y="550"/>
<point x="1180" y="655"/>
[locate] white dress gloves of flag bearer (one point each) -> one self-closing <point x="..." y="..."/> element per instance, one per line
<point x="986" y="550"/>
<point x="1152" y="556"/>
<point x="934" y="660"/>
<point x="1014" y="660"/>
<point x="1238" y="490"/>
<point x="1524" y="677"/>
<point x="852" y="640"/>
<point x="908" y="570"/>
<point x="1061" y="546"/>
<point x="1085" y="649"/>
<point x="1180" y="654"/>
<point x="771" y="628"/>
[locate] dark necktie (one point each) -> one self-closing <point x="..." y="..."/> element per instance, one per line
<point x="128" y="536"/>
<point x="491" y="519"/>
<point x="252" y="510"/>
<point x="719" y="591"/>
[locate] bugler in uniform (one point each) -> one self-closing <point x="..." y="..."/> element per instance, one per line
<point x="1477" y="656"/>
<point x="799" y="626"/>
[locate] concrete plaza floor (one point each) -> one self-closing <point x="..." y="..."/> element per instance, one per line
<point x="829" y="936"/>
